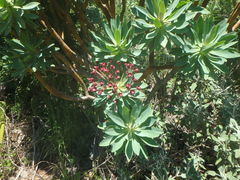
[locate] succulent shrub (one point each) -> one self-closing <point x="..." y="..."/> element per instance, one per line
<point x="29" y="52"/>
<point x="161" y="19"/>
<point x="117" y="43"/>
<point x="130" y="129"/>
<point x="15" y="14"/>
<point x="208" y="48"/>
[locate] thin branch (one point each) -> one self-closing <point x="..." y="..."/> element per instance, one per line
<point x="104" y="9"/>
<point x="161" y="83"/>
<point x="204" y="4"/>
<point x="79" y="9"/>
<point x="70" y="25"/>
<point x="57" y="93"/>
<point x="123" y="9"/>
<point x="54" y="70"/>
<point x="151" y="69"/>
<point x="85" y="4"/>
<point x="151" y="58"/>
<point x="66" y="49"/>
<point x="75" y="75"/>
<point x="236" y="26"/>
<point x="111" y="8"/>
<point x="233" y="16"/>
<point x="141" y="3"/>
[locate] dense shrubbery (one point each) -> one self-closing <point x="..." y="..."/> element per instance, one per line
<point x="154" y="82"/>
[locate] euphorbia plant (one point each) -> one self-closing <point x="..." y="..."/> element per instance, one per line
<point x="130" y="129"/>
<point x="159" y="27"/>
<point x="162" y="19"/>
<point x="208" y="48"/>
<point x="113" y="81"/>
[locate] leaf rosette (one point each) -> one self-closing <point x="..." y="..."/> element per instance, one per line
<point x="208" y="48"/>
<point x="130" y="129"/>
<point x="117" y="43"/>
<point x="161" y="20"/>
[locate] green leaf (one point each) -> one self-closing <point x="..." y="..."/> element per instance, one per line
<point x="128" y="151"/>
<point x="152" y="34"/>
<point x="144" y="85"/>
<point x="109" y="33"/>
<point x="146" y="113"/>
<point x="211" y="173"/>
<point x="117" y="35"/>
<point x="143" y="152"/>
<point x="144" y="11"/>
<point x="179" y="12"/>
<point x="4" y="14"/>
<point x="136" y="147"/>
<point x="112" y="132"/>
<point x="153" y="133"/>
<point x="228" y="54"/>
<point x="149" y="142"/>
<point x="237" y="153"/>
<point x="193" y="87"/>
<point x="115" y="118"/>
<point x="159" y="7"/>
<point x="30" y="5"/>
<point x="106" y="141"/>
<point x="137" y="75"/>
<point x="143" y="24"/>
<point x="149" y="122"/>
<point x="2" y="122"/>
<point x="136" y="110"/>
<point x="125" y="113"/>
<point x="119" y="143"/>
<point x="212" y="35"/>
<point x="171" y="7"/>
<point x="164" y="41"/>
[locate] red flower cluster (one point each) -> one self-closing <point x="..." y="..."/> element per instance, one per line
<point x="114" y="80"/>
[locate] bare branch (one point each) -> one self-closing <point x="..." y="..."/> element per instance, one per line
<point x="161" y="83"/>
<point x="57" y="93"/>
<point x="236" y="26"/>
<point x="104" y="9"/>
<point x="66" y="49"/>
<point x="75" y="75"/>
<point x="152" y="69"/>
<point x="111" y="8"/>
<point x="141" y="3"/>
<point x="70" y="25"/>
<point x="123" y="9"/>
<point x="233" y="16"/>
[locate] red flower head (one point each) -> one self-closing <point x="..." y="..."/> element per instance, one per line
<point x="132" y="92"/>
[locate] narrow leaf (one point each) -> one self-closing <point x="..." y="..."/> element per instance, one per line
<point x="30" y="5"/>
<point x="118" y="144"/>
<point x="147" y="112"/>
<point x="129" y="150"/>
<point x="109" y="33"/>
<point x="171" y="8"/>
<point x="144" y="11"/>
<point x="179" y="12"/>
<point x="136" y="147"/>
<point x="106" y="141"/>
<point x="153" y="133"/>
<point x="115" y="118"/>
<point x="228" y="54"/>
<point x="149" y="142"/>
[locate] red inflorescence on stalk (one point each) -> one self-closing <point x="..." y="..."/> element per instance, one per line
<point x="108" y="76"/>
